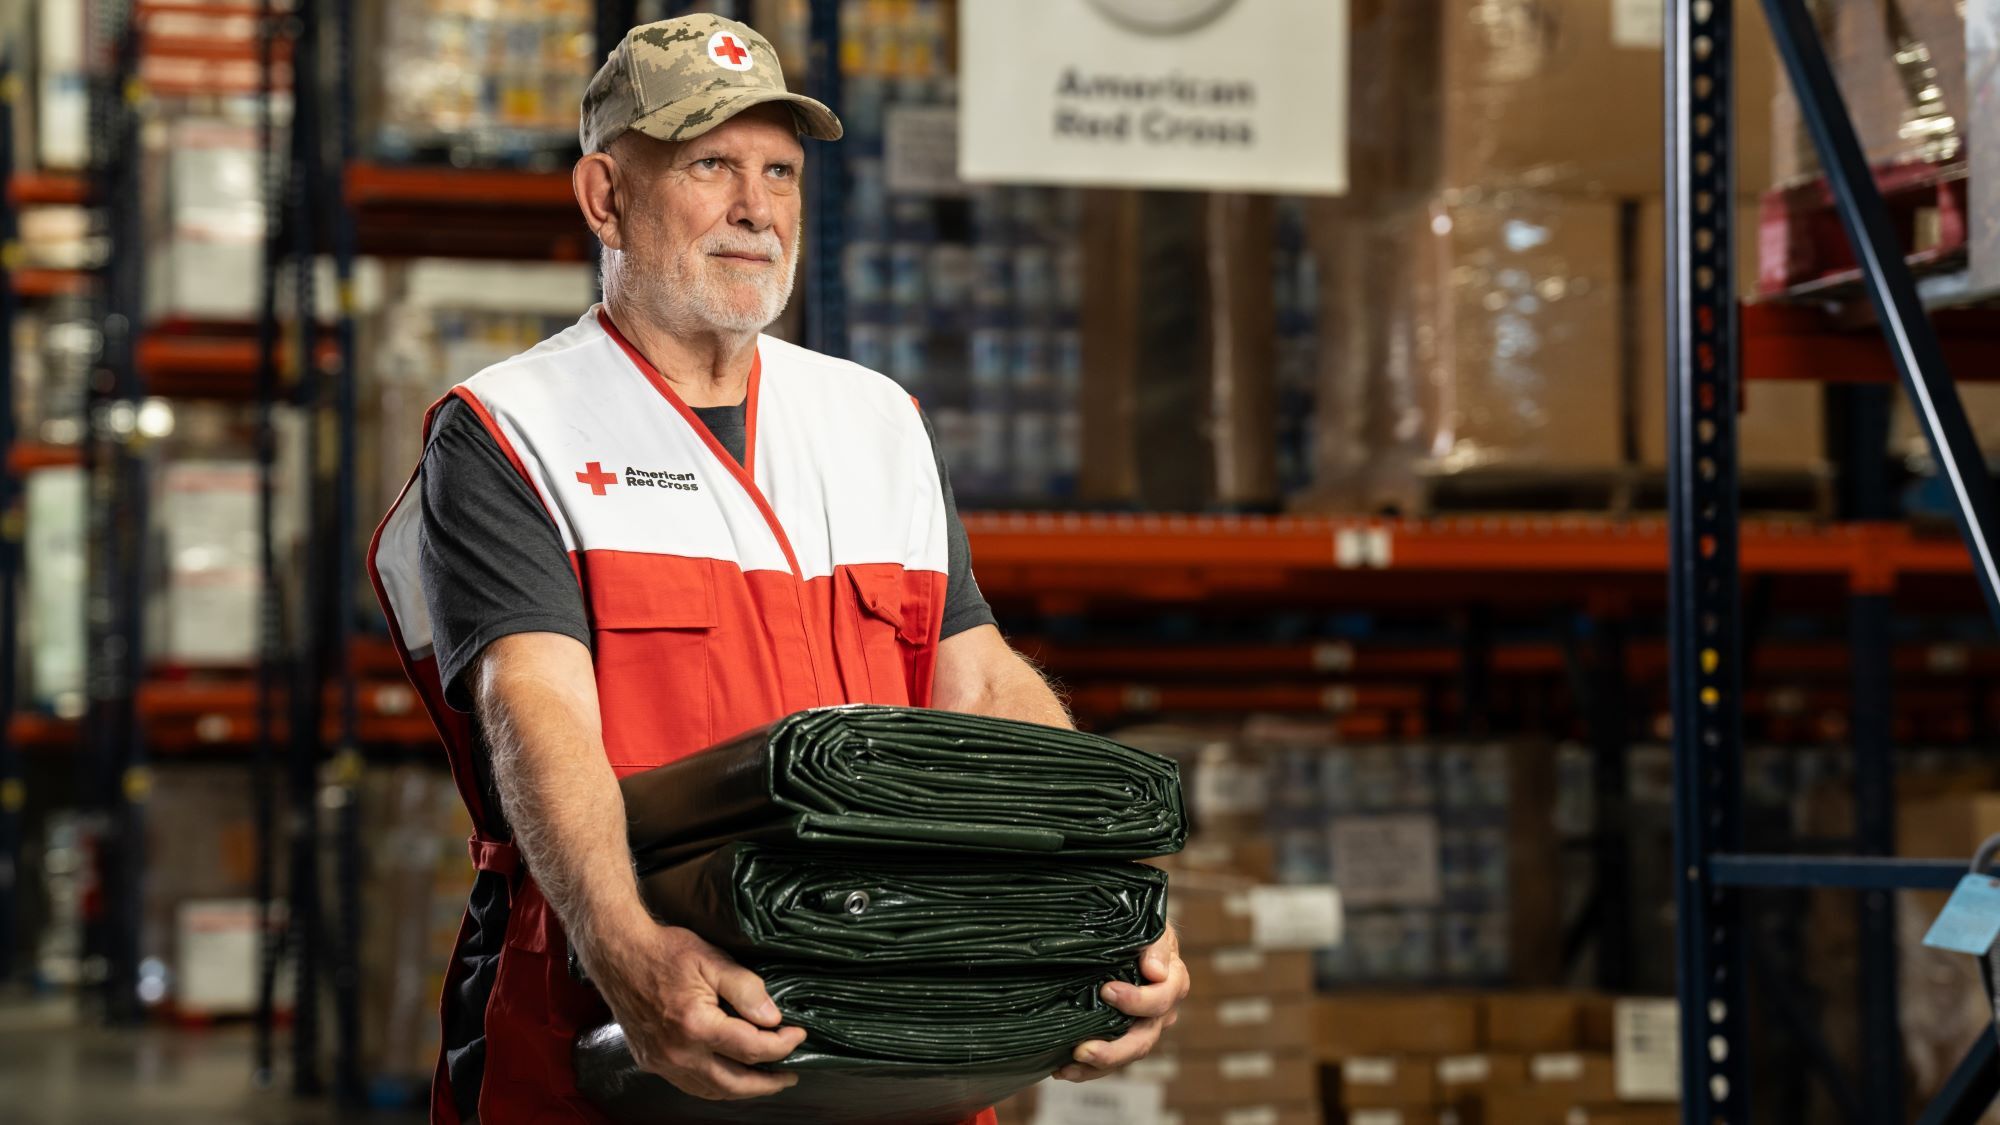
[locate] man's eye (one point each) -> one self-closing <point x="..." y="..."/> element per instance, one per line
<point x="708" y="163"/>
<point x="782" y="171"/>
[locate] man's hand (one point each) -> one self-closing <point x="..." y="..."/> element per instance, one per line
<point x="1153" y="1004"/>
<point x="668" y="988"/>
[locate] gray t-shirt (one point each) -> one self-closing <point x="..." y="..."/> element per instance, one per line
<point x="493" y="564"/>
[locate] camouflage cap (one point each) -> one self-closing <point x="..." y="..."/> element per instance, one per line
<point x="677" y="79"/>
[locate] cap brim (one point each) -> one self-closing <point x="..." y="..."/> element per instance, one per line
<point x="689" y="118"/>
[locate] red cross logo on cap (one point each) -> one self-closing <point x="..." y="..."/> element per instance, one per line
<point x="728" y="52"/>
<point x="594" y="475"/>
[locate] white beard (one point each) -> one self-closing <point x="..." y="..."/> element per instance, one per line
<point x="690" y="294"/>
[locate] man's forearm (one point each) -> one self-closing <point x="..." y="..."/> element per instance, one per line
<point x="1012" y="689"/>
<point x="537" y="707"/>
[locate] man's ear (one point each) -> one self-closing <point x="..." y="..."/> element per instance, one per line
<point x="595" y="182"/>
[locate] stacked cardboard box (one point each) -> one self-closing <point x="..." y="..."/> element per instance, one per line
<point x="1492" y="282"/>
<point x="205" y="196"/>
<point x="416" y="882"/>
<point x="1525" y="1058"/>
<point x="1444" y="875"/>
<point x="200" y="848"/>
<point x="1944" y="986"/>
<point x="1244" y="1039"/>
<point x="1781" y="427"/>
<point x="1901" y="69"/>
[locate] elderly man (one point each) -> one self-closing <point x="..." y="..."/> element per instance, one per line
<point x="649" y="532"/>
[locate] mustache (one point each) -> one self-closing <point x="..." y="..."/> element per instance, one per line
<point x="767" y="247"/>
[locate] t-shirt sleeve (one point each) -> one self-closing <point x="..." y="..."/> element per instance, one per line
<point x="491" y="560"/>
<point x="964" y="606"/>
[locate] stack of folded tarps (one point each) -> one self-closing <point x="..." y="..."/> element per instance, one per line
<point x="935" y="898"/>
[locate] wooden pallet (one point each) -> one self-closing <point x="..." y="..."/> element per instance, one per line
<point x="1802" y="249"/>
<point x="1628" y="491"/>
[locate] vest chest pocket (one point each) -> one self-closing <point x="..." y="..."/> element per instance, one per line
<point x="652" y="623"/>
<point x="884" y="629"/>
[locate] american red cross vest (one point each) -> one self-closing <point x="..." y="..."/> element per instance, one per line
<point x="721" y="596"/>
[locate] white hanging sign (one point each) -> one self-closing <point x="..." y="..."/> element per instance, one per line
<point x="1232" y="95"/>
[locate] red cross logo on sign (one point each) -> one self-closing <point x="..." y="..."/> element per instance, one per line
<point x="727" y="52"/>
<point x="594" y="475"/>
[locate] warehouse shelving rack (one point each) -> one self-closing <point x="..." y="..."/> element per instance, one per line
<point x="1709" y="552"/>
<point x="13" y="790"/>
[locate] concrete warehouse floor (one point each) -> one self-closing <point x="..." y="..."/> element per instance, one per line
<point x="58" y="1069"/>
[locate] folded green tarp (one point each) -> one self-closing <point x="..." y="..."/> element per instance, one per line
<point x="921" y="1048"/>
<point x="863" y="776"/>
<point x="760" y="902"/>
<point x="936" y="898"/>
<point x="888" y="1094"/>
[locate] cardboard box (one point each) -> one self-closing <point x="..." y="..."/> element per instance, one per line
<point x="1532" y="1021"/>
<point x="1264" y="1022"/>
<point x="1250" y="854"/>
<point x="1400" y="1115"/>
<point x="1460" y="1077"/>
<point x="1982" y="412"/>
<point x="216" y="963"/>
<point x="1625" y="1115"/>
<point x="1246" y="971"/>
<point x="1566" y="95"/>
<point x="1210" y="911"/>
<point x="1944" y="986"/>
<point x="1368" y="1081"/>
<point x="208" y="520"/>
<point x="1581" y="1076"/>
<point x="1359" y="1024"/>
<point x="1516" y="330"/>
<point x="1299" y="1113"/>
<point x="1600" y="1022"/>
<point x="1781" y="426"/>
<point x="54" y="642"/>
<point x="1230" y="1078"/>
<point x="1525" y="1105"/>
<point x="1982" y="39"/>
<point x="1477" y="329"/>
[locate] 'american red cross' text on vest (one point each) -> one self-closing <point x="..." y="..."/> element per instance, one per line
<point x="721" y="597"/>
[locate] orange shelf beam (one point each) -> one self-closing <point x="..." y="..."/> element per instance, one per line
<point x="183" y="716"/>
<point x="146" y="9"/>
<point x="1499" y="544"/>
<point x="26" y="457"/>
<point x="376" y="185"/>
<point x="51" y="283"/>
<point x="1786" y="342"/>
<point x="28" y="189"/>
<point x="194" y="365"/>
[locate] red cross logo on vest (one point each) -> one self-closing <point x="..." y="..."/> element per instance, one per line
<point x="727" y="52"/>
<point x="594" y="475"/>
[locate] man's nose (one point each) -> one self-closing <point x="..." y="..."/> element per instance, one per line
<point x="753" y="209"/>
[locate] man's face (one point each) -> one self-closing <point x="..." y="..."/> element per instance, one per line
<point x="711" y="225"/>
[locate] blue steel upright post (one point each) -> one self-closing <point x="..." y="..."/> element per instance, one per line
<point x="12" y="790"/>
<point x="826" y="193"/>
<point x="270" y="628"/>
<point x="347" y="1078"/>
<point x="1704" y="579"/>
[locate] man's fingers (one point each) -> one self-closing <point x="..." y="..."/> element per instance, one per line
<point x="734" y="1080"/>
<point x="1077" y="1072"/>
<point x="1159" y="957"/>
<point x="747" y="1043"/>
<point x="744" y="990"/>
<point x="1135" y="1044"/>
<point x="1149" y="1000"/>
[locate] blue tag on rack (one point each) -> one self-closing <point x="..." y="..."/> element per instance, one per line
<point x="1970" y="921"/>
